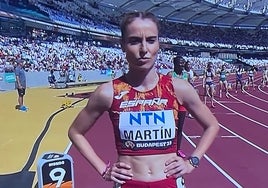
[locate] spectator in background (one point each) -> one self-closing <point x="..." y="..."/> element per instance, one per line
<point x="80" y="77"/>
<point x="20" y="84"/>
<point x="51" y="78"/>
<point x="71" y="74"/>
<point x="64" y="77"/>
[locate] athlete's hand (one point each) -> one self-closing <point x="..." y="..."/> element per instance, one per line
<point x="177" y="167"/>
<point x="119" y="172"/>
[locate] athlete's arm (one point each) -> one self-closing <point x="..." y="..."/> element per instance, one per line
<point x="188" y="97"/>
<point x="98" y="102"/>
<point x="204" y="78"/>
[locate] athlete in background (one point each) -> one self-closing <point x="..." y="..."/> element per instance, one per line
<point x="180" y="72"/>
<point x="239" y="76"/>
<point x="208" y="84"/>
<point x="265" y="77"/>
<point x="251" y="73"/>
<point x="223" y="81"/>
<point x="190" y="72"/>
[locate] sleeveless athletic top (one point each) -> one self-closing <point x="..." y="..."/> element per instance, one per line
<point x="183" y="76"/>
<point x="223" y="75"/>
<point x="144" y="122"/>
<point x="239" y="74"/>
<point x="209" y="76"/>
<point x="250" y="73"/>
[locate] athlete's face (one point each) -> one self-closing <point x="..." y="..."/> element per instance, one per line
<point x="141" y="43"/>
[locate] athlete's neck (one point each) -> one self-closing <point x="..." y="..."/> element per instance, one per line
<point x="142" y="82"/>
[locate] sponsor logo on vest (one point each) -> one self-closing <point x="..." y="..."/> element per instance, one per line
<point x="150" y="102"/>
<point x="121" y="94"/>
<point x="147" y="118"/>
<point x="147" y="125"/>
<point x="154" y="144"/>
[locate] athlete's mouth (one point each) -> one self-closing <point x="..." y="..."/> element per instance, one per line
<point x="144" y="59"/>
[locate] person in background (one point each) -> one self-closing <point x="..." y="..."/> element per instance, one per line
<point x="79" y="77"/>
<point x="20" y="84"/>
<point x="223" y="81"/>
<point x="190" y="72"/>
<point x="143" y="102"/>
<point x="180" y="72"/>
<point x="51" y="78"/>
<point x="238" y="80"/>
<point x="71" y="74"/>
<point x="251" y="73"/>
<point x="208" y="84"/>
<point x="264" y="77"/>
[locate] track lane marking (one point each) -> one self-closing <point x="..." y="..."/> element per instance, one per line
<point x="259" y="88"/>
<point x="244" y="139"/>
<point x="258" y="98"/>
<point x="252" y="120"/>
<point x="260" y="109"/>
<point x="224" y="173"/>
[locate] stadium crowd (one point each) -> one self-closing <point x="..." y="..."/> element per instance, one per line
<point x="44" y="50"/>
<point x="60" y="52"/>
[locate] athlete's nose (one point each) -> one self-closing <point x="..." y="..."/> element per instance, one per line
<point x="143" y="48"/>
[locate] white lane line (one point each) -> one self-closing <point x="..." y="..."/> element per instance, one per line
<point x="252" y="120"/>
<point x="244" y="139"/>
<point x="259" y="87"/>
<point x="229" y="136"/>
<point x="260" y="109"/>
<point x="68" y="148"/>
<point x="219" y="113"/>
<point x="230" y="102"/>
<point x="258" y="98"/>
<point x="232" y="180"/>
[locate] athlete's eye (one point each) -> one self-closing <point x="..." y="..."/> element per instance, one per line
<point x="134" y="40"/>
<point x="151" y="40"/>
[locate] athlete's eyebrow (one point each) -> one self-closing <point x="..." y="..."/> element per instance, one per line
<point x="137" y="38"/>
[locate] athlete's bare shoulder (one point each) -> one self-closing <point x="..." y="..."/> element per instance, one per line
<point x="183" y="90"/>
<point x="102" y="97"/>
<point x="180" y="84"/>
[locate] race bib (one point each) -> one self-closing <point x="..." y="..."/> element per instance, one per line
<point x="147" y="129"/>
